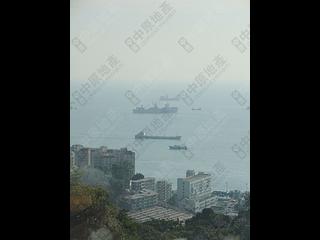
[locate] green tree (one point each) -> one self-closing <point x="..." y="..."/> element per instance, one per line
<point x="137" y="176"/>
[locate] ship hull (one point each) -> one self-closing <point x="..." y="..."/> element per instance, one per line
<point x="141" y="135"/>
<point x="171" y="110"/>
<point x="177" y="148"/>
<point x="159" y="137"/>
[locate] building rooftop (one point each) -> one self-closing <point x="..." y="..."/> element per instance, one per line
<point x="143" y="179"/>
<point x="159" y="213"/>
<point x="141" y="194"/>
<point x="197" y="177"/>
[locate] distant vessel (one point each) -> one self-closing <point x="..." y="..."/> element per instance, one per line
<point x="177" y="147"/>
<point x="193" y="109"/>
<point x="142" y="135"/>
<point x="166" y="98"/>
<point x="155" y="109"/>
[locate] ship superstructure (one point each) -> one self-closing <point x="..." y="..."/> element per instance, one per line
<point x="155" y="109"/>
<point x="166" y="98"/>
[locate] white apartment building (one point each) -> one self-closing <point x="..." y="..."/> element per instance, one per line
<point x="164" y="189"/>
<point x="140" y="200"/>
<point x="195" y="192"/>
<point x="145" y="183"/>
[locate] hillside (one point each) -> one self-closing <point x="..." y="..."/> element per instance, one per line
<point x="94" y="217"/>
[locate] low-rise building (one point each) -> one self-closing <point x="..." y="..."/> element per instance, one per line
<point x="197" y="205"/>
<point x="145" y="183"/>
<point x="159" y="213"/>
<point x="139" y="200"/>
<point x="225" y="205"/>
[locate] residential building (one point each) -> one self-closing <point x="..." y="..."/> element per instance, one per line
<point x="117" y="163"/>
<point x="225" y="205"/>
<point x="145" y="183"/>
<point x="122" y="167"/>
<point x="190" y="173"/>
<point x="79" y="157"/>
<point x="72" y="159"/>
<point x="139" y="200"/>
<point x="197" y="205"/>
<point x="75" y="148"/>
<point x="164" y="190"/>
<point x="194" y="193"/>
<point x="195" y="186"/>
<point x="83" y="157"/>
<point x="159" y="213"/>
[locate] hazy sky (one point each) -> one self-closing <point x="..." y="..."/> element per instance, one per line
<point x="208" y="25"/>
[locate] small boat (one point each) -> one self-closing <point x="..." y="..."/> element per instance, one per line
<point x="177" y="147"/>
<point x="196" y="109"/>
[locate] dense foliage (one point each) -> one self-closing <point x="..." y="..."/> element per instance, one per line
<point x="137" y="176"/>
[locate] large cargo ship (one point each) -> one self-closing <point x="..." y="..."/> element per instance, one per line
<point x="142" y="135"/>
<point x="166" y="98"/>
<point x="178" y="147"/>
<point x="155" y="109"/>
